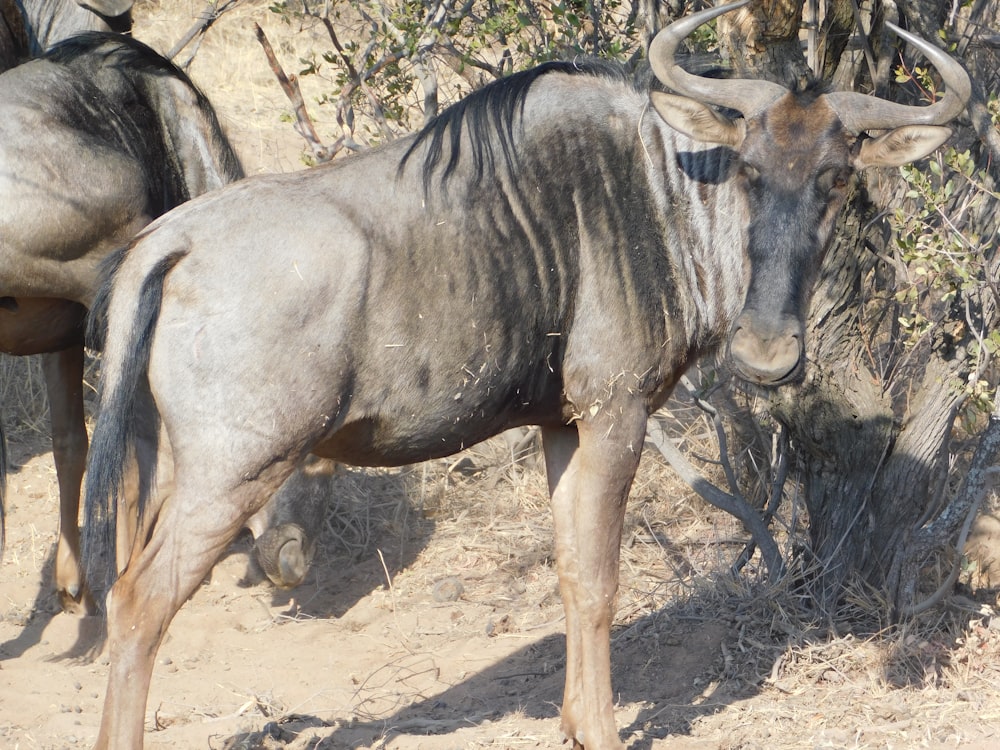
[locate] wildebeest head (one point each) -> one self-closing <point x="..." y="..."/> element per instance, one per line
<point x="794" y="154"/>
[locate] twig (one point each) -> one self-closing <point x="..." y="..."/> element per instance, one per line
<point x="206" y="18"/>
<point x="866" y="47"/>
<point x="777" y="485"/>
<point x="720" y="433"/>
<point x="392" y="597"/>
<point x="970" y="497"/>
<point x="290" y="85"/>
<point x="732" y="504"/>
<point x="780" y="474"/>
<point x="335" y="40"/>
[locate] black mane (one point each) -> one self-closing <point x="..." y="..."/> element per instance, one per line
<point x="93" y="51"/>
<point x="105" y="47"/>
<point x="129" y="73"/>
<point x="491" y="114"/>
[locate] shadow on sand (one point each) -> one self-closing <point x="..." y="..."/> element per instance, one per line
<point x="341" y="528"/>
<point x="663" y="661"/>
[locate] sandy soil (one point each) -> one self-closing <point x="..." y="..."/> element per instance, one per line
<point x="439" y="628"/>
<point x="445" y="631"/>
<point x="435" y="621"/>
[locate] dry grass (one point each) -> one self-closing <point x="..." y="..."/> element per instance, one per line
<point x="853" y="681"/>
<point x="22" y="393"/>
<point x="24" y="403"/>
<point x="786" y="675"/>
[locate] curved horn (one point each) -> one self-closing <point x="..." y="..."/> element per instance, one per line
<point x="746" y="96"/>
<point x="860" y="112"/>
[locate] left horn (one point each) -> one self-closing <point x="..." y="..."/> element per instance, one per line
<point x="859" y="112"/>
<point x="745" y="96"/>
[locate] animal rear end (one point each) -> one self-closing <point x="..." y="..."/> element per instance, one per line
<point x="231" y="446"/>
<point x="133" y="308"/>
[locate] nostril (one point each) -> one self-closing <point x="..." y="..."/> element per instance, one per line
<point x="789" y="345"/>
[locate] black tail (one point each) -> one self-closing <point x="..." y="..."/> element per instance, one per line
<point x="123" y="381"/>
<point x="97" y="317"/>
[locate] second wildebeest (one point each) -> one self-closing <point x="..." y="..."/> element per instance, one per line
<point x="97" y="139"/>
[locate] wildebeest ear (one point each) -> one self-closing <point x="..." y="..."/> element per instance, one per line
<point x="901" y="146"/>
<point x="697" y="120"/>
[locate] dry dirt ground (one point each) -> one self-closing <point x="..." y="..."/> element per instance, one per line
<point x="431" y="618"/>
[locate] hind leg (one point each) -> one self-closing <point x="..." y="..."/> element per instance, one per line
<point x="193" y="528"/>
<point x="64" y="382"/>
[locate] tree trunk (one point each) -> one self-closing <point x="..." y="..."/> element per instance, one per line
<point x="761" y="40"/>
<point x="840" y="423"/>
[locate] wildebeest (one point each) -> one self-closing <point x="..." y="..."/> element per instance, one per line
<point x="30" y="27"/>
<point x="555" y="249"/>
<point x="27" y="29"/>
<point x="97" y="139"/>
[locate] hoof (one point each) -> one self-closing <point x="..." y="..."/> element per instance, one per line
<point x="76" y="600"/>
<point x="284" y="554"/>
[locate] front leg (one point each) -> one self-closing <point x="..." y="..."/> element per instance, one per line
<point x="64" y="383"/>
<point x="590" y="467"/>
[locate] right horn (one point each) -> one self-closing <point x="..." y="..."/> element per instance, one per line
<point x="747" y="96"/>
<point x="860" y="112"/>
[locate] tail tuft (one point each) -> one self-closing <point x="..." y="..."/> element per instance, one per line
<point x="97" y="318"/>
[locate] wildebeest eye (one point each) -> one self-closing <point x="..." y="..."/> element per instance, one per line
<point x="834" y="178"/>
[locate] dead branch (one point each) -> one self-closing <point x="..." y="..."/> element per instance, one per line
<point x="735" y="505"/>
<point x="303" y="123"/>
<point x="963" y="509"/>
<point x="206" y="18"/>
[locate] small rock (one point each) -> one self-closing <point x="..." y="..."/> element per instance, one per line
<point x="448" y="589"/>
<point x="500" y="626"/>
